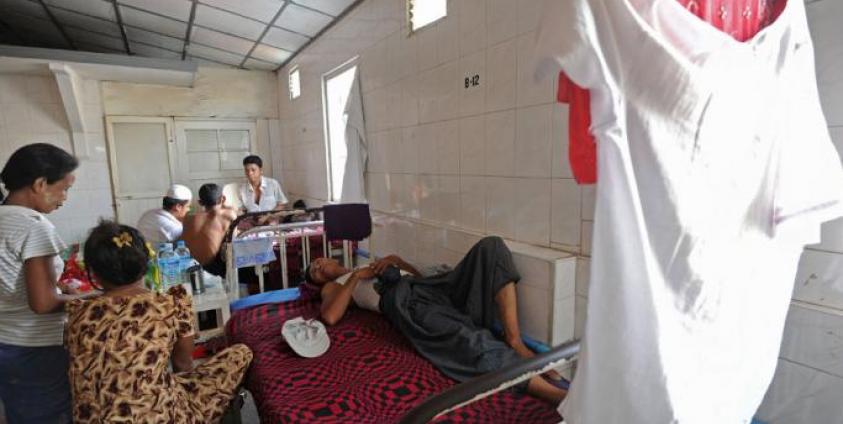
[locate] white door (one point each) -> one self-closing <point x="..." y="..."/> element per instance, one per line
<point x="213" y="151"/>
<point x="141" y="152"/>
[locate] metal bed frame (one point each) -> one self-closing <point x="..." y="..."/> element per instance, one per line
<point x="282" y="233"/>
<point x="489" y="384"/>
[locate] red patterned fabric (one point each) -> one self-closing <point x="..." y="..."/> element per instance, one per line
<point x="741" y="19"/>
<point x="370" y="374"/>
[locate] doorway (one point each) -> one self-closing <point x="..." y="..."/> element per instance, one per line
<point x="148" y="154"/>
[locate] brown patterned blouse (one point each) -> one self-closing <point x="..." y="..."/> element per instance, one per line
<point x="120" y="351"/>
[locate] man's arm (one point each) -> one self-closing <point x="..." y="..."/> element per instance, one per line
<point x="336" y="297"/>
<point x="379" y="265"/>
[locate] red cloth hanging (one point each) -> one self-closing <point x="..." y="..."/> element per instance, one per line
<point x="741" y="19"/>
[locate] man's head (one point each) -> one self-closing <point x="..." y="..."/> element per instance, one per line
<point x="323" y="270"/>
<point x="210" y="195"/>
<point x="253" y="168"/>
<point x="177" y="201"/>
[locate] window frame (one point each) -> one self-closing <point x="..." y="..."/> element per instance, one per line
<point x="354" y="62"/>
<point x="294" y="94"/>
<point x="410" y="4"/>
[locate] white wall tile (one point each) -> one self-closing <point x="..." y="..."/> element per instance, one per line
<point x="426" y="45"/>
<point x="449" y="199"/>
<point x="824" y="23"/>
<point x="564" y="320"/>
<point x="529" y="15"/>
<point x="427" y="138"/>
<point x="13" y="89"/>
<point x="447" y="32"/>
<point x="472" y="145"/>
<point x="814" y="338"/>
<point x="532" y="144"/>
<point x="472" y="25"/>
<point x="473" y="97"/>
<point x="410" y="101"/>
<point x="565" y="212"/>
<point x="500" y="206"/>
<point x="800" y="394"/>
<point x="585" y="239"/>
<point x="532" y="211"/>
<point x="429" y="205"/>
<point x="501" y="75"/>
<point x="565" y="278"/>
<point x="534" y="271"/>
<point x="410" y="150"/>
<point x="501" y="20"/>
<point x="531" y="92"/>
<point x="583" y="276"/>
<point x="500" y="143"/>
<point x="819" y="280"/>
<point x="448" y="147"/>
<point x="559" y="142"/>
<point x="473" y="203"/>
<point x="580" y="315"/>
<point x="534" y="312"/>
<point x="589" y="193"/>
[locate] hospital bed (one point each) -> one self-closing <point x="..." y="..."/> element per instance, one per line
<point x="370" y="373"/>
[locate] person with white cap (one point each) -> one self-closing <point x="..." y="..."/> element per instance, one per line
<point x="164" y="225"/>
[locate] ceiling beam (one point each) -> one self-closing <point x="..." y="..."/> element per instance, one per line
<point x="321" y="32"/>
<point x="122" y="27"/>
<point x="263" y="34"/>
<point x="189" y="29"/>
<point x="58" y="25"/>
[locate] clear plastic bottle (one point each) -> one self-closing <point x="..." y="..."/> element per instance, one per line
<point x="168" y="266"/>
<point x="185" y="261"/>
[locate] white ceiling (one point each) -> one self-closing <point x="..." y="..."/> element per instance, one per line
<point x="251" y="34"/>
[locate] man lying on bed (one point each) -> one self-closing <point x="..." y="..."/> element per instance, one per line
<point x="447" y="317"/>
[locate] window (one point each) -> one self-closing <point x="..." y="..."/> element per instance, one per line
<point x="337" y="88"/>
<point x="295" y="83"/>
<point x="421" y="13"/>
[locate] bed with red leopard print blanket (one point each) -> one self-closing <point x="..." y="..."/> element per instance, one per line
<point x="370" y="374"/>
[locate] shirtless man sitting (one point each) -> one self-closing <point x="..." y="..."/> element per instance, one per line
<point x="205" y="231"/>
<point x="446" y="317"/>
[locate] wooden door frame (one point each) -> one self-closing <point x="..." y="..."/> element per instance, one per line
<point x="112" y="151"/>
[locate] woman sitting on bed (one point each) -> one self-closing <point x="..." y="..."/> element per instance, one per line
<point x="446" y="317"/>
<point x="122" y="344"/>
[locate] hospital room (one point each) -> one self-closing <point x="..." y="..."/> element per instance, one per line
<point x="421" y="211"/>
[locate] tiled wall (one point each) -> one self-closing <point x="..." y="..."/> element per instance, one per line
<point x="487" y="159"/>
<point x="809" y="380"/>
<point x="31" y="111"/>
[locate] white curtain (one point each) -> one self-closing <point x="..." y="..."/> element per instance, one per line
<point x="354" y="184"/>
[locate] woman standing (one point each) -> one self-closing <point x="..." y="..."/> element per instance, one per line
<point x="33" y="363"/>
<point x="260" y="193"/>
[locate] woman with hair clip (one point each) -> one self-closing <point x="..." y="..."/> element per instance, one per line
<point x="33" y="363"/>
<point x="122" y="344"/>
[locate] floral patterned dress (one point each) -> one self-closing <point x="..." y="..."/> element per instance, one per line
<point x="120" y="355"/>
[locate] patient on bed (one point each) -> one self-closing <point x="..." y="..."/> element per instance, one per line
<point x="446" y="317"/>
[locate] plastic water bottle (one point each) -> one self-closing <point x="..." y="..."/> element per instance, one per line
<point x="185" y="261"/>
<point x="168" y="265"/>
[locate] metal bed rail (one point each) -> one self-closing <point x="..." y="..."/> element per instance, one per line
<point x="282" y="232"/>
<point x="489" y="384"/>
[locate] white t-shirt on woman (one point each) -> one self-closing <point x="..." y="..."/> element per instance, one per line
<point x="26" y="234"/>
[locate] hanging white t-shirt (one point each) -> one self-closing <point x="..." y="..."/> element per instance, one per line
<point x="715" y="167"/>
<point x="26" y="234"/>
